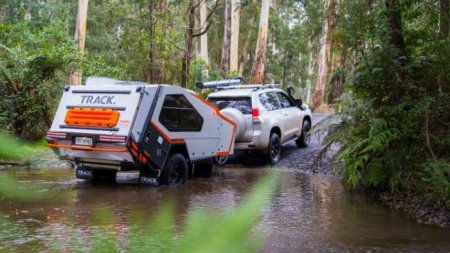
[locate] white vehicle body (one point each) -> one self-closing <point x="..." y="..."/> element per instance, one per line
<point x="265" y="110"/>
<point x="111" y="124"/>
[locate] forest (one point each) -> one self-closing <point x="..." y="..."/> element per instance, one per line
<point x="381" y="65"/>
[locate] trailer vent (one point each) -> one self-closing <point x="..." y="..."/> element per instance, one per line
<point x="92" y="117"/>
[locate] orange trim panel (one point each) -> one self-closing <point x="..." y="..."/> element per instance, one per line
<point x="170" y="140"/>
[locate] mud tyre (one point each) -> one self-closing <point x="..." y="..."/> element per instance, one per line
<point x="304" y="139"/>
<point x="175" y="171"/>
<point x="274" y="150"/>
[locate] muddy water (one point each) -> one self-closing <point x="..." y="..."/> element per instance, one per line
<point x="309" y="214"/>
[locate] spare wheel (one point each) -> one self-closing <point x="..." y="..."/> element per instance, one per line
<point x="236" y="116"/>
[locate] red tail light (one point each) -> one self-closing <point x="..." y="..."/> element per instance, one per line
<point x="56" y="135"/>
<point x="255" y="112"/>
<point x="112" y="138"/>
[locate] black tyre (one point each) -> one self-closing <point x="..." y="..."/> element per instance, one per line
<point x="274" y="151"/>
<point x="102" y="175"/>
<point x="304" y="139"/>
<point x="176" y="170"/>
<point x="203" y="170"/>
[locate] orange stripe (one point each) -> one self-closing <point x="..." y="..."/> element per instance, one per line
<point x="146" y="153"/>
<point x="133" y="145"/>
<point x="170" y="140"/>
<point x="220" y="153"/>
<point x="87" y="148"/>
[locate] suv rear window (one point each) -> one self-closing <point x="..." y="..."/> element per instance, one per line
<point x="243" y="104"/>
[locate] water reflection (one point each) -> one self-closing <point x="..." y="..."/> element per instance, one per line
<point x="308" y="213"/>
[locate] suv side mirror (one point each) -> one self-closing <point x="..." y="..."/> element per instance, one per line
<point x="299" y="104"/>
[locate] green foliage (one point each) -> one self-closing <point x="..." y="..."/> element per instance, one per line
<point x="30" y="79"/>
<point x="394" y="132"/>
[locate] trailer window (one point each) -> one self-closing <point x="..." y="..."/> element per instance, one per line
<point x="178" y="115"/>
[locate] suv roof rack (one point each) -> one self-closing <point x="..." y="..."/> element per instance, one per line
<point x="219" y="83"/>
<point x="234" y="83"/>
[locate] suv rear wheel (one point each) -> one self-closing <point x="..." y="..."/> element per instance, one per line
<point x="304" y="139"/>
<point x="176" y="170"/>
<point x="274" y="148"/>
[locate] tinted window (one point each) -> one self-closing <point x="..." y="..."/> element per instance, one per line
<point x="269" y="100"/>
<point x="178" y="115"/>
<point x="285" y="101"/>
<point x="243" y="104"/>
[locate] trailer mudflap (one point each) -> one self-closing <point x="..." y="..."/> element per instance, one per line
<point x="149" y="177"/>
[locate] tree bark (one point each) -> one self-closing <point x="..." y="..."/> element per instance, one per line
<point x="444" y="18"/>
<point x="324" y="54"/>
<point x="225" y="59"/>
<point x="188" y="44"/>
<point x="154" y="74"/>
<point x="397" y="41"/>
<point x="235" y="22"/>
<point x="261" y="45"/>
<point x="244" y="55"/>
<point x="204" y="37"/>
<point x="395" y="27"/>
<point x="311" y="64"/>
<point x="80" y="36"/>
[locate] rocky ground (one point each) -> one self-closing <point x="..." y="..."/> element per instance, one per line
<point x="310" y="159"/>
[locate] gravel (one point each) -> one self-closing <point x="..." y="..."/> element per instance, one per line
<point x="307" y="159"/>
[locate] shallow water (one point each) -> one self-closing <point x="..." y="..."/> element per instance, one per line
<point x="309" y="213"/>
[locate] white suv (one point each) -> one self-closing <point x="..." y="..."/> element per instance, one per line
<point x="266" y="117"/>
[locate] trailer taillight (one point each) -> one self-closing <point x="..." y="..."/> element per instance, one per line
<point x="92" y="117"/>
<point x="112" y="138"/>
<point x="56" y="135"/>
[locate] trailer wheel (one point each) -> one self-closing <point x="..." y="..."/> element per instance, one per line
<point x="176" y="170"/>
<point x="203" y="170"/>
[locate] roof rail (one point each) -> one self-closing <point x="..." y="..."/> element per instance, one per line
<point x="218" y="83"/>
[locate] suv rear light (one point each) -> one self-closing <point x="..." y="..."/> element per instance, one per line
<point x="255" y="112"/>
<point x="56" y="135"/>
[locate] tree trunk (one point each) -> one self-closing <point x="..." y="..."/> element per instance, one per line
<point x="188" y="44"/>
<point x="203" y="37"/>
<point x="397" y="41"/>
<point x="310" y="74"/>
<point x="261" y="45"/>
<point x="80" y="36"/>
<point x="444" y="18"/>
<point x="324" y="52"/>
<point x="235" y="22"/>
<point x="153" y="68"/>
<point x="395" y="27"/>
<point x="225" y="59"/>
<point x="244" y="55"/>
